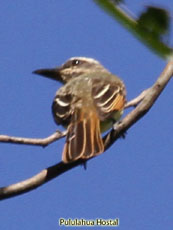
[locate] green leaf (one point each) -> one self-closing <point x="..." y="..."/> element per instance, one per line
<point x="155" y="21"/>
<point x="151" y="39"/>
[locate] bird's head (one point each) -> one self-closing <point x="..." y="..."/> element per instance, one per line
<point x="74" y="67"/>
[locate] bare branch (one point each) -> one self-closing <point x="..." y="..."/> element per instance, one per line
<point x="134" y="102"/>
<point x="144" y="102"/>
<point x="33" y="141"/>
<point x="32" y="183"/>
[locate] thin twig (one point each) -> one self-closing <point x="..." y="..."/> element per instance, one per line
<point x="33" y="141"/>
<point x="134" y="102"/>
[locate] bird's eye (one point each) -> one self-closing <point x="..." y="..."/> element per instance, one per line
<point x="75" y="62"/>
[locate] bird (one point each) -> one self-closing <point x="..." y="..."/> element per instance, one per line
<point x="90" y="101"/>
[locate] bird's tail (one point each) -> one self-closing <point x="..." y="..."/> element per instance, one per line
<point x="83" y="138"/>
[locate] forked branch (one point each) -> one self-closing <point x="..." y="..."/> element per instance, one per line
<point x="142" y="105"/>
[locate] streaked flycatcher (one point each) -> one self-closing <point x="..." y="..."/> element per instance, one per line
<point x="91" y="100"/>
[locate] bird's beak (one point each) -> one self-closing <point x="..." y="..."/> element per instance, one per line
<point x="54" y="74"/>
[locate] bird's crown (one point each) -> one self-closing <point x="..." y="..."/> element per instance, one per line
<point x="82" y="63"/>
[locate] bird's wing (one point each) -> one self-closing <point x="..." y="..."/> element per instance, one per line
<point x="108" y="96"/>
<point x="61" y="107"/>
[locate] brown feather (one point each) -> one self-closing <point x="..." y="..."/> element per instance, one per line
<point x="84" y="139"/>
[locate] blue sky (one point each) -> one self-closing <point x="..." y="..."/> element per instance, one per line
<point x="132" y="181"/>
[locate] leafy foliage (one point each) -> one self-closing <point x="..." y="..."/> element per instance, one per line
<point x="150" y="27"/>
<point x="155" y="21"/>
